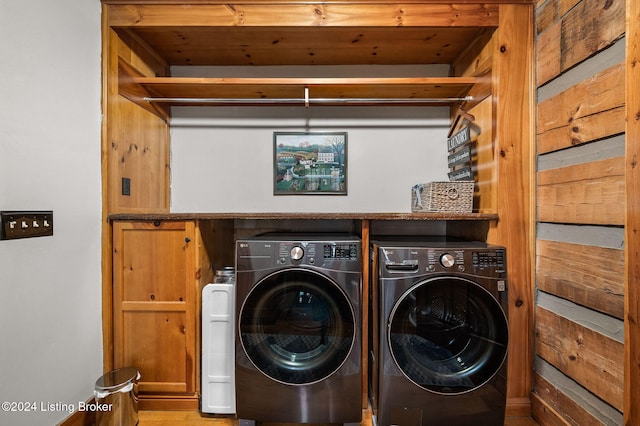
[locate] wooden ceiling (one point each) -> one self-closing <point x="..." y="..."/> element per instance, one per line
<point x="307" y="45"/>
<point x="300" y="32"/>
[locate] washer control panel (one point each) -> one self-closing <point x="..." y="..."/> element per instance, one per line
<point x="488" y="261"/>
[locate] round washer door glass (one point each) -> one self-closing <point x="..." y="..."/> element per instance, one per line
<point x="448" y="335"/>
<point x="297" y="326"/>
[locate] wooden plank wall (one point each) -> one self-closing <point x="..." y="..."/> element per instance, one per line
<point x="580" y="259"/>
<point x="632" y="223"/>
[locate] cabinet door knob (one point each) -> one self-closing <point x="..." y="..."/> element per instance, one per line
<point x="187" y="240"/>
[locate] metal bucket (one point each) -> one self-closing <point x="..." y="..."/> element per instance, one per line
<point x="116" y="394"/>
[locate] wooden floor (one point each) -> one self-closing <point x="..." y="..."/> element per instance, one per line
<point x="194" y="418"/>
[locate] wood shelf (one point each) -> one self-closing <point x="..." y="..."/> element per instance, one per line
<point x="159" y="93"/>
<point x="156" y="94"/>
<point x="427" y="90"/>
<point x="305" y="216"/>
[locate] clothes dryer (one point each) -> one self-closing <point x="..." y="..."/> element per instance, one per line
<point x="439" y="333"/>
<point x="298" y="346"/>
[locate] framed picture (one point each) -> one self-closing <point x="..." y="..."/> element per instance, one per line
<point x="310" y="163"/>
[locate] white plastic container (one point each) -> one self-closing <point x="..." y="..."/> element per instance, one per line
<point x="218" y="348"/>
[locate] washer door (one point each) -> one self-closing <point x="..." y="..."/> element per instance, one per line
<point x="297" y="326"/>
<point x="448" y="335"/>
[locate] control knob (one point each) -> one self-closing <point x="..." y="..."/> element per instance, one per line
<point x="297" y="253"/>
<point x="447" y="260"/>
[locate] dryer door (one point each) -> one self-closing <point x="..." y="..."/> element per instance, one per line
<point x="448" y="335"/>
<point x="297" y="326"/>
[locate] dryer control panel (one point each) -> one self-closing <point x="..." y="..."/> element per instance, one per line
<point x="311" y="251"/>
<point x="263" y="253"/>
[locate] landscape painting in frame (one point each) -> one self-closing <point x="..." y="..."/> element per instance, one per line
<point x="310" y="163"/>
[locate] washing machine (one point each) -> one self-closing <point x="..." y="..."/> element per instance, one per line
<point x="439" y="333"/>
<point x="298" y="345"/>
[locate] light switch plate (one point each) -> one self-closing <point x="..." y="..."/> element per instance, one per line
<point x="126" y="186"/>
<point x="26" y="224"/>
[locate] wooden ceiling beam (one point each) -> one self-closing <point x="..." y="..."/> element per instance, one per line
<point x="297" y="14"/>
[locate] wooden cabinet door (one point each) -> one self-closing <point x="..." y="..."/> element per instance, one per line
<point x="154" y="303"/>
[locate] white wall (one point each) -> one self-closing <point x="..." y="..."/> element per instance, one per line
<point x="222" y="158"/>
<point x="50" y="300"/>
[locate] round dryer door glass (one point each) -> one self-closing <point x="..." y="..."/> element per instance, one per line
<point x="448" y="335"/>
<point x="297" y="326"/>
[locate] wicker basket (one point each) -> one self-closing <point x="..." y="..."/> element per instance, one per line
<point x="456" y="197"/>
